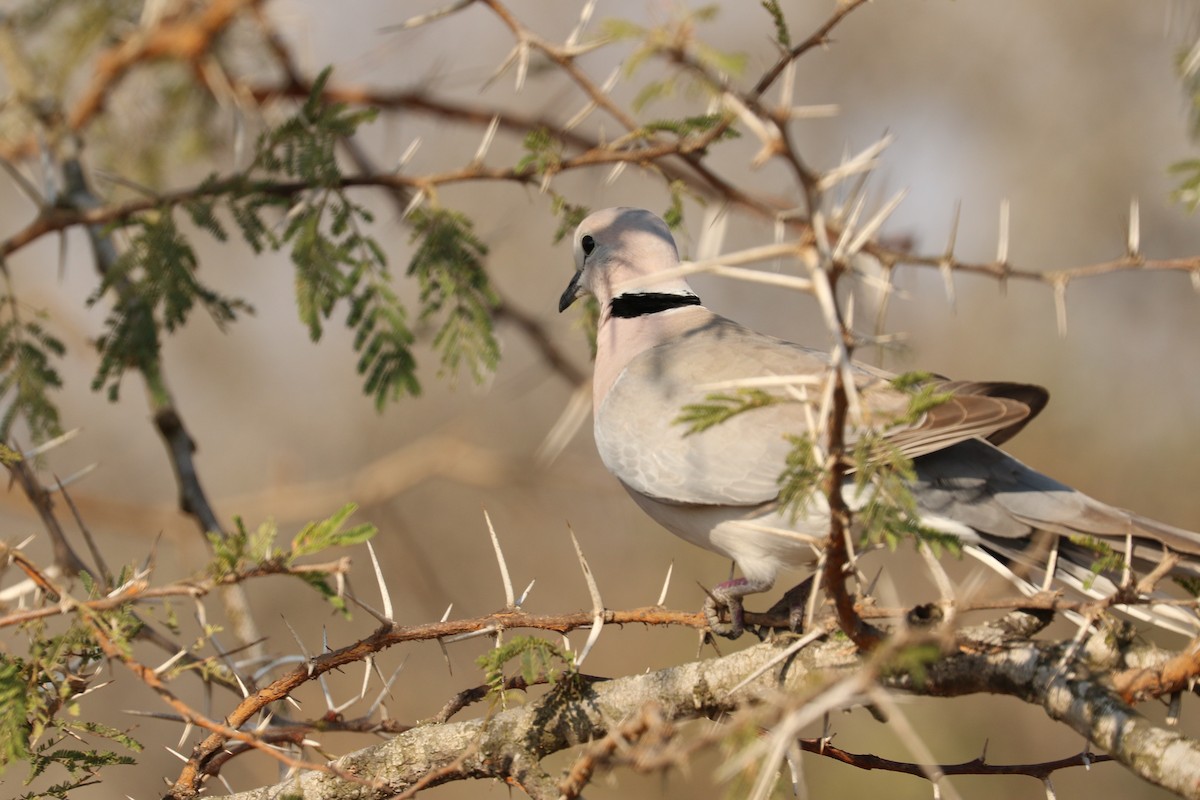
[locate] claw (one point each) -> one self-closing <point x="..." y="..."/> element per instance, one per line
<point x="728" y="595"/>
<point x="793" y="604"/>
<point x="713" y="606"/>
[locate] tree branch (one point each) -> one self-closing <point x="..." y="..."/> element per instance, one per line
<point x="568" y="717"/>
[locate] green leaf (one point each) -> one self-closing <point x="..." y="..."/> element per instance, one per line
<point x="719" y="407"/>
<point x="105" y="731"/>
<point x="569" y="214"/>
<point x="782" y="35"/>
<point x="914" y="661"/>
<point x="318" y="582"/>
<point x="1107" y="559"/>
<point x="449" y="266"/>
<point x="240" y="547"/>
<point x="14" y="724"/>
<point x="318" y="536"/>
<point x="689" y="126"/>
<point x="801" y="477"/>
<point x="537" y="659"/>
<point x="28" y="375"/>
<point x="543" y="152"/>
<point x="1189" y="585"/>
<point x="1188" y="190"/>
<point x="155" y="286"/>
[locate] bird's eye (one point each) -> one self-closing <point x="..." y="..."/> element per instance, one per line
<point x="588" y="244"/>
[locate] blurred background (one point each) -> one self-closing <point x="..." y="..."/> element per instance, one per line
<point x="1068" y="110"/>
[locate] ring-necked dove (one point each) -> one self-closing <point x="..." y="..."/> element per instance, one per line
<point x="658" y="349"/>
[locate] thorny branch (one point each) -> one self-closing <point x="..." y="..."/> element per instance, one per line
<point x="755" y="697"/>
<point x="1036" y="672"/>
<point x="976" y="766"/>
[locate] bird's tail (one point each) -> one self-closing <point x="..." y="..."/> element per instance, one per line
<point x="1098" y="566"/>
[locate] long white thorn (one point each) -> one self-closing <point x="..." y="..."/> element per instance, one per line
<point x="779" y="658"/>
<point x="873" y="225"/>
<point x="425" y="19"/>
<point x="418" y="198"/>
<point x="912" y="740"/>
<point x="442" y="643"/>
<point x="509" y="601"/>
<point x="1002" y="238"/>
<point x="384" y="594"/>
<point x="166" y="665"/>
<point x="367" y="608"/>
<point x="303" y="650"/>
<point x="848" y="227"/>
<point x="408" y="154"/>
<point x="946" y="265"/>
<point x="525" y="594"/>
<point x="45" y="447"/>
<point x="387" y="688"/>
<point x="662" y="596"/>
<point x="486" y="143"/>
<point x="585" y="16"/>
<point x="597" y="603"/>
<point x="864" y="161"/>
<point x="187" y="730"/>
<point x="522" y="65"/>
<point x="1133" y="244"/>
<point x="1060" y="305"/>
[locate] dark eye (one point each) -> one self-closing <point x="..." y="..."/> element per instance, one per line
<point x="588" y="244"/>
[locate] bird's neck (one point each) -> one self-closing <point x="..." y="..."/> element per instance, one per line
<point x="620" y="339"/>
<point x="640" y="304"/>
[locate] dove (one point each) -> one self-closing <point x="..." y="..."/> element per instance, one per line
<point x="659" y="350"/>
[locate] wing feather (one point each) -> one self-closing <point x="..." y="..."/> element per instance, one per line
<point x="739" y="461"/>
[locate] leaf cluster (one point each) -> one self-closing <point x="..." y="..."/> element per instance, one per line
<point x="883" y="476"/>
<point x="294" y="175"/>
<point x="27" y="374"/>
<point x="449" y="267"/>
<point x="537" y="660"/>
<point x="36" y="690"/>
<point x="675" y="42"/>
<point x="543" y="152"/>
<point x="243" y="549"/>
<point x="1106" y="559"/>
<point x="782" y="35"/>
<point x="155" y="288"/>
<point x="690" y="126"/>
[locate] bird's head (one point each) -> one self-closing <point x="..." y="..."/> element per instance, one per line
<point x="620" y="251"/>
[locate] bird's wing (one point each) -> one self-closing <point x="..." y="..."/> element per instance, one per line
<point x="739" y="461"/>
<point x="1007" y="502"/>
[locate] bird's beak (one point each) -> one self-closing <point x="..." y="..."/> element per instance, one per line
<point x="573" y="291"/>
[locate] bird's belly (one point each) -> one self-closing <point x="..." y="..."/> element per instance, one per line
<point x="759" y="538"/>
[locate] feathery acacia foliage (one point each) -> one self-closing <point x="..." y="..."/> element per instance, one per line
<point x="153" y="285"/>
<point x="155" y="288"/>
<point x="449" y="267"/>
<point x="27" y="374"/>
<point x="719" y="407"/>
<point x="36" y="690"/>
<point x="537" y="659"/>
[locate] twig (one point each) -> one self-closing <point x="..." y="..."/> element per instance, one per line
<point x="976" y="766"/>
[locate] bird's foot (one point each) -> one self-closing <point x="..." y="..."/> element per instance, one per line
<point x="728" y="596"/>
<point x="793" y="604"/>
